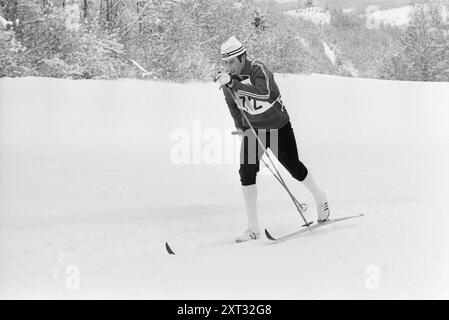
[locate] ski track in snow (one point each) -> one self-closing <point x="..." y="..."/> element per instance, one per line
<point x="86" y="181"/>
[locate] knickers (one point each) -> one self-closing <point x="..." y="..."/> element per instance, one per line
<point x="281" y="142"/>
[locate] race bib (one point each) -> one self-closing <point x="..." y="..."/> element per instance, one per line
<point x="250" y="105"/>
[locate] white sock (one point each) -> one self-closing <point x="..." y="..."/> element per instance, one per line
<point x="250" y="196"/>
<point x="318" y="194"/>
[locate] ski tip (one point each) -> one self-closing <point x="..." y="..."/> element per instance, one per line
<point x="169" y="250"/>
<point x="268" y="235"/>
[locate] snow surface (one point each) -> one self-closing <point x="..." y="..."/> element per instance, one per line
<point x="395" y="17"/>
<point x="329" y="52"/>
<point x="399" y="16"/>
<point x="89" y="192"/>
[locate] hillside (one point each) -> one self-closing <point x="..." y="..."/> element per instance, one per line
<point x="359" y="6"/>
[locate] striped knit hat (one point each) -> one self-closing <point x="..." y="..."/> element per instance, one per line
<point x="231" y="48"/>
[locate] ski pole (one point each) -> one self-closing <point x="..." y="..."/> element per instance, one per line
<point x="278" y="176"/>
<point x="302" y="205"/>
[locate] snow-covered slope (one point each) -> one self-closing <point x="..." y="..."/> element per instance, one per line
<point x="398" y="16"/>
<point x="395" y="17"/>
<point x="89" y="192"/>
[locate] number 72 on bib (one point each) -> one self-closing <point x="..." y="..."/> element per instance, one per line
<point x="252" y="106"/>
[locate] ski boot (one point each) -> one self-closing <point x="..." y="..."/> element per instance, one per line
<point x="323" y="212"/>
<point x="247" y="236"/>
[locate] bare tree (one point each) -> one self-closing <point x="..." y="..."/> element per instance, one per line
<point x="85" y="9"/>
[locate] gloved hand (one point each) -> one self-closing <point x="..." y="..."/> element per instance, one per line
<point x="224" y="78"/>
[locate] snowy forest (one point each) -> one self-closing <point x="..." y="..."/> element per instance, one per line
<point x="179" y="40"/>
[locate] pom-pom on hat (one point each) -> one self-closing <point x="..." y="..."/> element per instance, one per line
<point x="231" y="48"/>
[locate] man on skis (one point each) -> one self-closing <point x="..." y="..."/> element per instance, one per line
<point x="250" y="88"/>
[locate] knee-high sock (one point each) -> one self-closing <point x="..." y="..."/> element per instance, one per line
<point x="250" y="196"/>
<point x="318" y="194"/>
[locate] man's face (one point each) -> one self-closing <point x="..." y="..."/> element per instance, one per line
<point x="233" y="65"/>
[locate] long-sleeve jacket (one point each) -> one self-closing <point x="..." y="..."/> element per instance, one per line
<point x="257" y="94"/>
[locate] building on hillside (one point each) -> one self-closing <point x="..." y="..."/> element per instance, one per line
<point x="316" y="15"/>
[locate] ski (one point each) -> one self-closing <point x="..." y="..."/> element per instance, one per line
<point x="169" y="250"/>
<point x="307" y="228"/>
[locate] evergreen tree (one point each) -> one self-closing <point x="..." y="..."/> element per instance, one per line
<point x="426" y="43"/>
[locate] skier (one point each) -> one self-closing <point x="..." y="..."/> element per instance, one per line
<point x="249" y="87"/>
